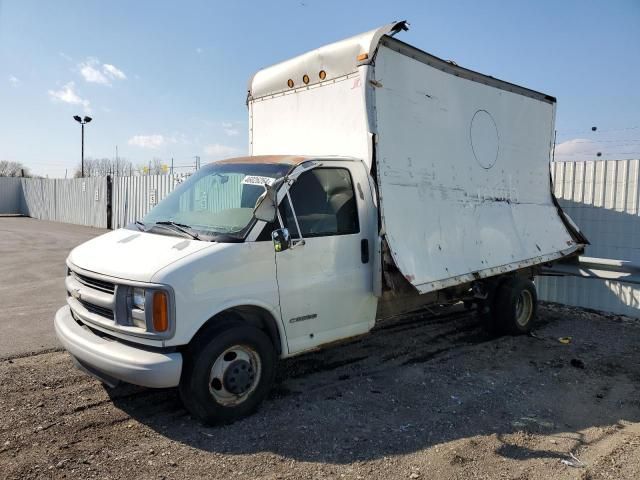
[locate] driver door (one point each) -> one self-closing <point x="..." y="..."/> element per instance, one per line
<point x="325" y="279"/>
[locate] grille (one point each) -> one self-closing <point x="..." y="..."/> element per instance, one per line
<point x="101" y="285"/>
<point x="103" y="312"/>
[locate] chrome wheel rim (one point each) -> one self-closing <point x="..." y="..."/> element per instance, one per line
<point x="234" y="375"/>
<point x="524" y="307"/>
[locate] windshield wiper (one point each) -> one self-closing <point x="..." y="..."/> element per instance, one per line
<point x="180" y="227"/>
<point x="141" y="226"/>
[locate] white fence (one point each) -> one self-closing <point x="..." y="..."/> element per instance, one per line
<point x="602" y="198"/>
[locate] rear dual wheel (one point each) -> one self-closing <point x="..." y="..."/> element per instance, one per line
<point x="512" y="307"/>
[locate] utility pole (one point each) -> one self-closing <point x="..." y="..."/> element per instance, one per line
<point x="171" y="165"/>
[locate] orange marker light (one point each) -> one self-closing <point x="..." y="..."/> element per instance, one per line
<point x="362" y="56"/>
<point x="160" y="312"/>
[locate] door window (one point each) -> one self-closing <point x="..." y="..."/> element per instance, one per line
<point x="324" y="203"/>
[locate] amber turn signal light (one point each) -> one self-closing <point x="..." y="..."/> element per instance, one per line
<point x="160" y="312"/>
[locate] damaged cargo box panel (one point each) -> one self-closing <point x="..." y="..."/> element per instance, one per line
<point x="463" y="172"/>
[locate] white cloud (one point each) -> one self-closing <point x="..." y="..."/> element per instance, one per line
<point x="90" y="71"/>
<point x="149" y="141"/>
<point x="577" y="149"/>
<point x="113" y="72"/>
<point x="14" y="81"/>
<point x="217" y="150"/>
<point x="95" y="72"/>
<point x="67" y="94"/>
<point x="229" y="129"/>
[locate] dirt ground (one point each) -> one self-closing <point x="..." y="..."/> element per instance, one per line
<point x="416" y="399"/>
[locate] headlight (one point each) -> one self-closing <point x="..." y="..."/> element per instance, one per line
<point x="138" y="298"/>
<point x="155" y="317"/>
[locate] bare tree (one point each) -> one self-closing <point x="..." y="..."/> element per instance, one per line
<point x="13" y="169"/>
<point x="101" y="167"/>
<point x="154" y="167"/>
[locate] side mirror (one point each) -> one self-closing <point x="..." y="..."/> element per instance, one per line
<point x="281" y="239"/>
<point x="265" y="208"/>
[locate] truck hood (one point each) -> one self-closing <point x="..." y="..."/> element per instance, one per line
<point x="132" y="255"/>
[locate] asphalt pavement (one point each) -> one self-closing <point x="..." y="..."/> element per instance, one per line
<point x="32" y="271"/>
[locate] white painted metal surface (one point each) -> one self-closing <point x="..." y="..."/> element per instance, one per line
<point x="463" y="175"/>
<point x="132" y="255"/>
<point x="326" y="291"/>
<point x="336" y="60"/>
<point x="326" y="119"/>
<point x="603" y="198"/>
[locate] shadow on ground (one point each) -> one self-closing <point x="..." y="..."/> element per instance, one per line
<point x="419" y="382"/>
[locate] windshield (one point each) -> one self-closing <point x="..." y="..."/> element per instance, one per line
<point x="218" y="199"/>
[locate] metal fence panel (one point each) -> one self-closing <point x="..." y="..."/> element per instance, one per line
<point x="82" y="201"/>
<point x="38" y="199"/>
<point x="602" y="198"/>
<point x="133" y="197"/>
<point x="10" y="195"/>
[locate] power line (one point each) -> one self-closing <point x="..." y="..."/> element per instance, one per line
<point x="598" y="131"/>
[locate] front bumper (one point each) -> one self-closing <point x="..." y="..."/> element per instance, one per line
<point x="112" y="361"/>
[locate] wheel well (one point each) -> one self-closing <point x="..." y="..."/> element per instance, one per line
<point x="249" y="314"/>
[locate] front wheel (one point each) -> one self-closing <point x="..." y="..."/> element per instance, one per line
<point x="227" y="373"/>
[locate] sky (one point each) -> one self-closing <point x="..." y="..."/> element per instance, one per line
<point x="169" y="79"/>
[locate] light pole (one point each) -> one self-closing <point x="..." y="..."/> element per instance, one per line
<point x="82" y="122"/>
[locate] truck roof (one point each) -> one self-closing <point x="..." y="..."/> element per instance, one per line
<point x="271" y="159"/>
<point x="292" y="160"/>
<point x="343" y="57"/>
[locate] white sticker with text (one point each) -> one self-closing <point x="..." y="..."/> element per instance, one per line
<point x="257" y="180"/>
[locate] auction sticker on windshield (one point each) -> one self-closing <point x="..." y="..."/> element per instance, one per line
<point x="257" y="180"/>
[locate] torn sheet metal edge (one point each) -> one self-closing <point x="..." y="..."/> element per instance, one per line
<point x="489" y="272"/>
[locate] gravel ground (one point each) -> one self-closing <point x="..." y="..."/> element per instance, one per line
<point x="419" y="398"/>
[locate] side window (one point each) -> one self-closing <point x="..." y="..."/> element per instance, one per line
<point x="324" y="202"/>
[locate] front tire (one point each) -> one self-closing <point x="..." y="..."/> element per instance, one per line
<point x="227" y="373"/>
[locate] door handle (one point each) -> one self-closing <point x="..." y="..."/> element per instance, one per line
<point x="364" y="250"/>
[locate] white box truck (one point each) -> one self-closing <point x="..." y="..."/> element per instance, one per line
<point x="381" y="179"/>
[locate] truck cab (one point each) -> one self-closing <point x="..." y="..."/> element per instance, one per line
<point x="145" y="302"/>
